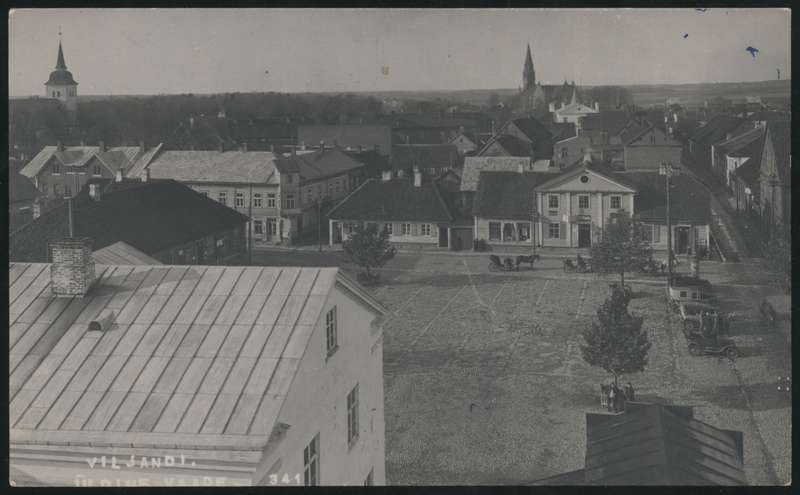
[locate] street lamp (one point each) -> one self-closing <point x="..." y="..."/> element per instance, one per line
<point x="667" y="170"/>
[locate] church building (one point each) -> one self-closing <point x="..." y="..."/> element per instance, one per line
<point x="61" y="85"/>
<point x="537" y="98"/>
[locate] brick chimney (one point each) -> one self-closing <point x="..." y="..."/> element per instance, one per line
<point x="145" y="175"/>
<point x="72" y="268"/>
<point x="101" y="147"/>
<point x="417" y="177"/>
<point x="59" y="146"/>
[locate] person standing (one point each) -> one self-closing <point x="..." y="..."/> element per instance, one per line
<point x="612" y="397"/>
<point x="629" y="392"/>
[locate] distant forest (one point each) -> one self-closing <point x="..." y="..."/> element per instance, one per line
<point x="118" y="121"/>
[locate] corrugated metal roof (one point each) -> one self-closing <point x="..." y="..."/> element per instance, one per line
<point x="214" y="166"/>
<point x="121" y="253"/>
<point x="197" y="350"/>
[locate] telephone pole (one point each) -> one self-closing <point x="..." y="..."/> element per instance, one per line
<point x="667" y="170"/>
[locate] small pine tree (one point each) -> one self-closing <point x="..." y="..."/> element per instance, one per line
<point x="621" y="247"/>
<point x="615" y="341"/>
<point x="368" y="248"/>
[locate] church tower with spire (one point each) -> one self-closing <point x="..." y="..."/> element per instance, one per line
<point x="61" y="84"/>
<point x="528" y="74"/>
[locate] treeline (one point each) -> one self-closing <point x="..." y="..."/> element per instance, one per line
<point x="117" y="121"/>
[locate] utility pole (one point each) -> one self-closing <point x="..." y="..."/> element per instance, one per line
<point x="250" y="226"/>
<point x="319" y="223"/>
<point x="667" y="170"/>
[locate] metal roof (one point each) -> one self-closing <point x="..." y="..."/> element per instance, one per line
<point x="196" y="354"/>
<point x="239" y="167"/>
<point x="121" y="253"/>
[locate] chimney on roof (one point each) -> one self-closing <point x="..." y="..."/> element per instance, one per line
<point x="101" y="147"/>
<point x="408" y="140"/>
<point x="596" y="106"/>
<point x="141" y="146"/>
<point x="94" y="191"/>
<point x="520" y="168"/>
<point x="118" y="175"/>
<point x="386" y="175"/>
<point x="221" y="147"/>
<point x="243" y="146"/>
<point x="417" y="177"/>
<point x="59" y="146"/>
<point x="321" y="144"/>
<point x="145" y="175"/>
<point x="303" y="145"/>
<point x="493" y="127"/>
<point x="72" y="268"/>
<point x="83" y="143"/>
<point x="272" y="148"/>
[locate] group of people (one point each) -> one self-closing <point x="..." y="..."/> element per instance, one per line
<point x="614" y="398"/>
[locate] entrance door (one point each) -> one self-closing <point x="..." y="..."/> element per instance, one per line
<point x="681" y="240"/>
<point x="272" y="228"/>
<point x="337" y="233"/>
<point x="584" y="235"/>
<point x="443" y="236"/>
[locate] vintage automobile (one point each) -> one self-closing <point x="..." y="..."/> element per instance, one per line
<point x="690" y="289"/>
<point x="691" y="315"/>
<point x="699" y="346"/>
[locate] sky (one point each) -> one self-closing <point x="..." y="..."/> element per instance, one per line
<point x="157" y="51"/>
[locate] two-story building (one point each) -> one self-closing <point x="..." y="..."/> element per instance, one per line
<point x="522" y="136"/>
<point x="646" y="144"/>
<point x="192" y="375"/>
<point x="570" y="209"/>
<point x="61" y="171"/>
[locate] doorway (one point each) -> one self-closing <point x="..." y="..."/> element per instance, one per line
<point x="681" y="240"/>
<point x="443" y="236"/>
<point x="584" y="235"/>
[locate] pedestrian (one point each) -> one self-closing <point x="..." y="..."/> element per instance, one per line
<point x="612" y="396"/>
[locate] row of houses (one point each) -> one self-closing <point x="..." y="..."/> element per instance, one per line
<point x="752" y="157"/>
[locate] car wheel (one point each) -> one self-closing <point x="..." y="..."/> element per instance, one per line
<point x="731" y="352"/>
<point x="694" y="350"/>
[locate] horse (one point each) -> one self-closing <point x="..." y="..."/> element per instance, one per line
<point x="527" y="259"/>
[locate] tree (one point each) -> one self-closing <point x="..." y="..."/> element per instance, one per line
<point x="621" y="247"/>
<point x="615" y="341"/>
<point x="778" y="257"/>
<point x="368" y="248"/>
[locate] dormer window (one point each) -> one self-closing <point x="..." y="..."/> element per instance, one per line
<point x="96" y="170"/>
<point x="56" y="170"/>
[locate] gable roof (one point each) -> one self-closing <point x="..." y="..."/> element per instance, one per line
<point x="319" y="164"/>
<point x="717" y="128"/>
<point x="393" y="200"/>
<point x="582" y="166"/>
<point x="575" y="108"/>
<point x="507" y="195"/>
<point x="374" y="162"/>
<point x="150" y="216"/>
<point x="121" y="253"/>
<point x="235" y="167"/>
<point x="424" y="156"/>
<point x="741" y="142"/>
<point x="689" y="200"/>
<point x="613" y="122"/>
<point x="653" y="444"/>
<point x="20" y="188"/>
<point x="78" y="156"/>
<point x="347" y="136"/>
<point x="197" y="357"/>
<point x="534" y="130"/>
<point x="514" y="146"/>
<point x="474" y="165"/>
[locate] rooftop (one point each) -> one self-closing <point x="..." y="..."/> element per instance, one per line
<point x="232" y="167"/>
<point x="150" y="216"/>
<point x="507" y="195"/>
<point x="318" y="164"/>
<point x="121" y="253"/>
<point x="424" y="156"/>
<point x="394" y="200"/>
<point x="474" y="165"/>
<point x="196" y="357"/>
<point x="78" y="156"/>
<point x="347" y="136"/>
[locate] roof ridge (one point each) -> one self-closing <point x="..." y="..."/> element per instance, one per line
<point x="337" y="205"/>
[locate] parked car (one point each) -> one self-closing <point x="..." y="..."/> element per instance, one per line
<point x="690" y="315"/>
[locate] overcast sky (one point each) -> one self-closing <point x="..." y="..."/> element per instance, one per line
<point x="151" y="51"/>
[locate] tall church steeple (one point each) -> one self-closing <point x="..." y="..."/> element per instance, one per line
<point x="528" y="74"/>
<point x="61" y="85"/>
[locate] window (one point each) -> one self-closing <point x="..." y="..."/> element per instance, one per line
<point x="331" y="340"/>
<point x="552" y="201"/>
<point x="56" y="170"/>
<point x="96" y="170"/>
<point x="272" y="227"/>
<point x="683" y="293"/>
<point x="652" y="139"/>
<point x="239" y="200"/>
<point x="311" y="462"/>
<point x="257" y="200"/>
<point x="204" y="193"/>
<point x="563" y="152"/>
<point x="258" y="227"/>
<point x="369" y="481"/>
<point x="406" y="229"/>
<point x="388" y="228"/>
<point x="616" y="202"/>
<point x="352" y="416"/>
<point x="290" y="201"/>
<point x="554" y="231"/>
<point x="425" y="229"/>
<point x="222" y="197"/>
<point x="494" y="231"/>
<point x="270" y="200"/>
<point x="583" y="202"/>
<point x="67" y="191"/>
<point x="55" y="190"/>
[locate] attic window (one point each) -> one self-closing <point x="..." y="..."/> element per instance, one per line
<point x="584" y="178"/>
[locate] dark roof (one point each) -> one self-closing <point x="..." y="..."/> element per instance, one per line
<point x="395" y="200"/>
<point x="504" y="195"/>
<point x="750" y="172"/>
<point x="533" y="129"/>
<point x="780" y="135"/>
<point x="61" y="75"/>
<point x="744" y="144"/>
<point x="561" y="130"/>
<point x="717" y="128"/>
<point x="347" y="136"/>
<point x="318" y="164"/>
<point x="150" y="216"/>
<point x="610" y="121"/>
<point x="374" y="162"/>
<point x="689" y="201"/>
<point x="20" y="188"/>
<point x="767" y="116"/>
<point x="654" y="444"/>
<point x="514" y="145"/>
<point x="424" y="156"/>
